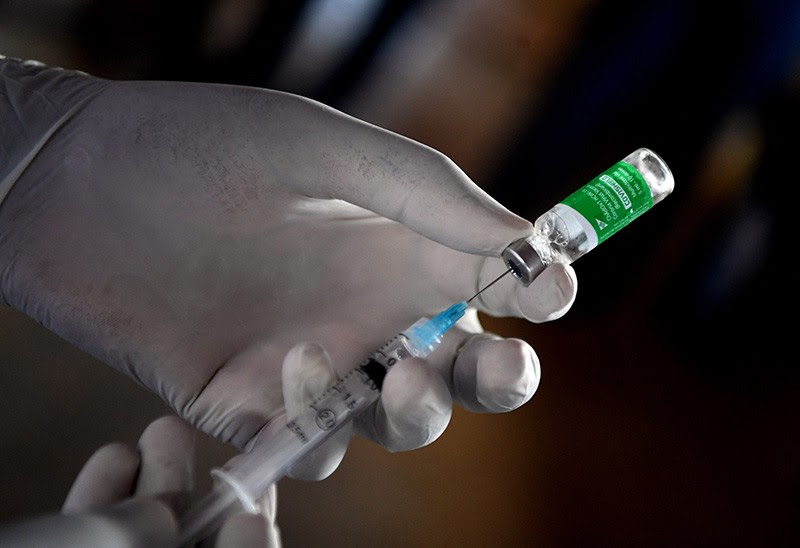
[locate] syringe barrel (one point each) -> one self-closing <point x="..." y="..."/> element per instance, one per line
<point x="245" y="479"/>
<point x="251" y="474"/>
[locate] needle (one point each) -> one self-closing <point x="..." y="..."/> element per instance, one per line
<point x="490" y="285"/>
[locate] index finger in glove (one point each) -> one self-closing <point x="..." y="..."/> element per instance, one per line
<point x="460" y="275"/>
<point x="549" y="297"/>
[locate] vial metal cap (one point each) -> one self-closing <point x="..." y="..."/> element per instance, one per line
<point x="524" y="262"/>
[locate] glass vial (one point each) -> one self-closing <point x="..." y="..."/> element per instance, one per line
<point x="592" y="214"/>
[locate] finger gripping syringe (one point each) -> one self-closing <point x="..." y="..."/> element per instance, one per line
<point x="244" y="481"/>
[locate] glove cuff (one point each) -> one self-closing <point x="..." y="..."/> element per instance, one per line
<point x="35" y="101"/>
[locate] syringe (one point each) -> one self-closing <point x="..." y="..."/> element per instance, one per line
<point x="242" y="482"/>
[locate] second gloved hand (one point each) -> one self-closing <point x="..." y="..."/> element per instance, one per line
<point x="191" y="235"/>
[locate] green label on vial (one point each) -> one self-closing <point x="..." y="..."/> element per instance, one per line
<point x="612" y="199"/>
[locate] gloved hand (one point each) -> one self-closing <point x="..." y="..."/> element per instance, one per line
<point x="191" y="235"/>
<point x="127" y="497"/>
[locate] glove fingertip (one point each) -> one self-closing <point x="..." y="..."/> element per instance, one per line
<point x="324" y="460"/>
<point x="495" y="375"/>
<point x="551" y="294"/>
<point x="307" y="370"/>
<point x="107" y="477"/>
<point x="414" y="409"/>
<point x="508" y="375"/>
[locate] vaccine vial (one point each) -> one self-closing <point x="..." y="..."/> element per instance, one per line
<point x="591" y="214"/>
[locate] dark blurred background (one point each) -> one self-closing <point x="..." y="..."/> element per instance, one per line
<point x="668" y="408"/>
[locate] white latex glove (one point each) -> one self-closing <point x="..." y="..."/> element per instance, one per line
<point x="190" y="235"/>
<point x="128" y="497"/>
